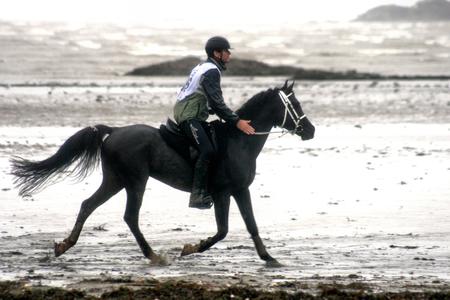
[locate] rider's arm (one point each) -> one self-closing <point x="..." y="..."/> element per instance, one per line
<point x="211" y="86"/>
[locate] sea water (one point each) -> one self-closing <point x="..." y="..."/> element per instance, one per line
<point x="31" y="51"/>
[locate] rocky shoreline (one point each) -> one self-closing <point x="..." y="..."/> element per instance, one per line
<point x="124" y="288"/>
<point x="244" y="67"/>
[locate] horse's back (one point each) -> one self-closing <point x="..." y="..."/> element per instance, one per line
<point x="133" y="131"/>
<point x="141" y="149"/>
<point x="129" y="139"/>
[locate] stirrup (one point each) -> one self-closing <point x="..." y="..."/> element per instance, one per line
<point x="206" y="205"/>
<point x="195" y="203"/>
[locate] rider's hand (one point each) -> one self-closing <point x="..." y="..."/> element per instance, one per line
<point x="245" y="127"/>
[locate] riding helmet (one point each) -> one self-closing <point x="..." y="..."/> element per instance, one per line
<point x="216" y="43"/>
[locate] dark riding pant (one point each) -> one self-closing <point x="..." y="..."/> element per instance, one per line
<point x="199" y="134"/>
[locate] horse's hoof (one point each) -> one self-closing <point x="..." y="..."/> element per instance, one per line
<point x="273" y="264"/>
<point x="159" y="260"/>
<point x="189" y="249"/>
<point x="60" y="248"/>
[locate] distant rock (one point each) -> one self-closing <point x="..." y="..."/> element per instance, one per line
<point x="244" y="67"/>
<point x="169" y="68"/>
<point x="422" y="11"/>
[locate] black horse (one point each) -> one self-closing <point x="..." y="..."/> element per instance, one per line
<point x="129" y="155"/>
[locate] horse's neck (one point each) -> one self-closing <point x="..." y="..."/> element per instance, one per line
<point x="255" y="143"/>
<point x="261" y="117"/>
<point x="259" y="110"/>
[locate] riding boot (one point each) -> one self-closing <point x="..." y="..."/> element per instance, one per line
<point x="200" y="198"/>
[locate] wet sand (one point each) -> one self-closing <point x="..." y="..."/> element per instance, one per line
<point x="361" y="208"/>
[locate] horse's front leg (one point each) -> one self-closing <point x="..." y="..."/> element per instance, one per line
<point x="244" y="203"/>
<point x="221" y="209"/>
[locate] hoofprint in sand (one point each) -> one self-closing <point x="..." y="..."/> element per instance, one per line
<point x="365" y="201"/>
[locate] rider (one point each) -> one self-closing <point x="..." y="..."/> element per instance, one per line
<point x="200" y="96"/>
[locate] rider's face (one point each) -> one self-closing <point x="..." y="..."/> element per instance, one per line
<point x="224" y="55"/>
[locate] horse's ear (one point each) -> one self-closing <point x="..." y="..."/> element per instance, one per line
<point x="291" y="87"/>
<point x="285" y="85"/>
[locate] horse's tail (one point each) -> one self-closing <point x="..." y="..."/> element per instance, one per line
<point x="83" y="147"/>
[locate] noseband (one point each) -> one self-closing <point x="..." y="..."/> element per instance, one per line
<point x="288" y="109"/>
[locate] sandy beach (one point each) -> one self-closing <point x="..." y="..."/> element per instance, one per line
<point x="363" y="206"/>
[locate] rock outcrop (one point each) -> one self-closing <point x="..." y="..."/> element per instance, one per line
<point x="423" y="11"/>
<point x="244" y="67"/>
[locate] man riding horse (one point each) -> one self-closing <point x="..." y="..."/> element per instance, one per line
<point x="200" y="96"/>
<point x="129" y="155"/>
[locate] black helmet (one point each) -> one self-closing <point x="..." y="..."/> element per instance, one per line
<point x="216" y="43"/>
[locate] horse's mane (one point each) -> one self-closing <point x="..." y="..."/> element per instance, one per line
<point x="254" y="103"/>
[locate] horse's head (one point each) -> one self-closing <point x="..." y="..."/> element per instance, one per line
<point x="290" y="116"/>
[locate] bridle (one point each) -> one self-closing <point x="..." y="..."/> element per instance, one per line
<point x="288" y="110"/>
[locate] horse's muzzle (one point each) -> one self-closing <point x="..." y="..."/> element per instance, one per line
<point x="306" y="133"/>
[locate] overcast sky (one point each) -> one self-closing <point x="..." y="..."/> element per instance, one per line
<point x="194" y="12"/>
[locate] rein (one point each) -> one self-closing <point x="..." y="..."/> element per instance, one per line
<point x="288" y="109"/>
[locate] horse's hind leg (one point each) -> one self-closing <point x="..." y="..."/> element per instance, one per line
<point x="107" y="189"/>
<point x="135" y="194"/>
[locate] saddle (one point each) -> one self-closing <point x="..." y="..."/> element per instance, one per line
<point x="176" y="139"/>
